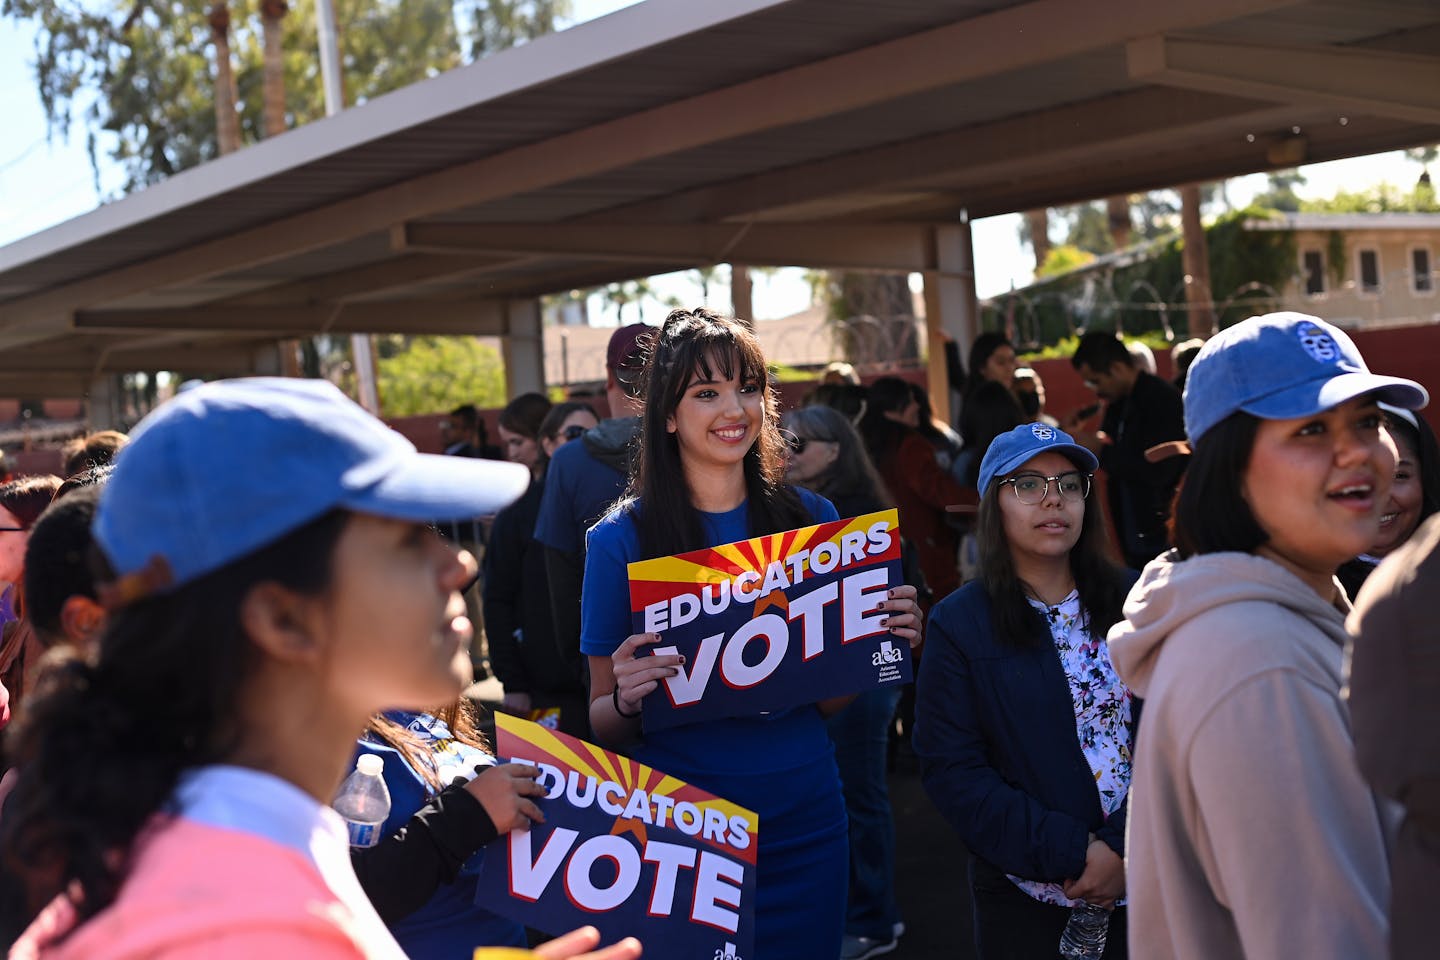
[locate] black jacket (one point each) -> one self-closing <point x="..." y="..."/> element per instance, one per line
<point x="995" y="732"/>
<point x="1140" y="492"/>
<point x="518" y="622"/>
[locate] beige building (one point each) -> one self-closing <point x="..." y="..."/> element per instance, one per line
<point x="1363" y="270"/>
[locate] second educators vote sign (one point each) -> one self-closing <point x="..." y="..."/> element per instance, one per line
<point x="772" y="622"/>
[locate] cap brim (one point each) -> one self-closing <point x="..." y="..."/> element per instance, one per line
<point x="429" y="486"/>
<point x="1305" y="400"/>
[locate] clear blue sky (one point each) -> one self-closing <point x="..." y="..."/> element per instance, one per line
<point x="47" y="181"/>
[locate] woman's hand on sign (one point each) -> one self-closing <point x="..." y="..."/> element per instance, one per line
<point x="636" y="676"/>
<point x="579" y="944"/>
<point x="902" y="614"/>
<point x="504" y="791"/>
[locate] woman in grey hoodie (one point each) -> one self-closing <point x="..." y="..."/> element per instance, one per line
<point x="1252" y="832"/>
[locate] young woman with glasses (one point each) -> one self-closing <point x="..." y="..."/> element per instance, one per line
<point x="1023" y="729"/>
<point x="518" y="626"/>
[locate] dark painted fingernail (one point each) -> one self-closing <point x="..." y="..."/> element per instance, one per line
<point x="682" y="658"/>
<point x="884" y="621"/>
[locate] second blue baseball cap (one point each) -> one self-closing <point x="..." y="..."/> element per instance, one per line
<point x="1010" y="450"/>
<point x="1281" y="366"/>
<point x="229" y="467"/>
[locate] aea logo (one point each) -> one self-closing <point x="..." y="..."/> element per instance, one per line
<point x="1042" y="432"/>
<point x="886" y="654"/>
<point x="1319" y="344"/>
<point x="727" y="953"/>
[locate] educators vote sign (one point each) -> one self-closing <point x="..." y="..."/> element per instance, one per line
<point x="626" y="848"/>
<point x="772" y="622"/>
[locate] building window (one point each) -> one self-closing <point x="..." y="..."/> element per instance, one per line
<point x="1369" y="271"/>
<point x="1313" y="264"/>
<point x="1423" y="281"/>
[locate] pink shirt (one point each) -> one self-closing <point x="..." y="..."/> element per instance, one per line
<point x="251" y="867"/>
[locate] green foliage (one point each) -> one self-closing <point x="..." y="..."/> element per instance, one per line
<point x="1065" y="348"/>
<point x="1089" y="229"/>
<point x="1248" y="268"/>
<point x="440" y="373"/>
<point x="1064" y="258"/>
<point x="1381" y="198"/>
<point x="137" y="75"/>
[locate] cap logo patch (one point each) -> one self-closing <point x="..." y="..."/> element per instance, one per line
<point x="1319" y="344"/>
<point x="1042" y="432"/>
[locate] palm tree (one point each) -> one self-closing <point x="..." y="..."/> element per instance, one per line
<point x="1037" y="223"/>
<point x="227" y="120"/>
<point x="1196" y="256"/>
<point x="271" y="13"/>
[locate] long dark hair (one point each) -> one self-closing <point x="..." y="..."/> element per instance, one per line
<point x="690" y="343"/>
<point x="104" y="742"/>
<point x="1099" y="581"/>
<point x="852" y="478"/>
<point x="1421" y="440"/>
<point x="1210" y="513"/>
<point x="882" y="435"/>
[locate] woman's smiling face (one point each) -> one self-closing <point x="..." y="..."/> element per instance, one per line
<point x="1318" y="485"/>
<point x="718" y="418"/>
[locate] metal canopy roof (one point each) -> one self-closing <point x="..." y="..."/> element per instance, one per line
<point x="832" y="133"/>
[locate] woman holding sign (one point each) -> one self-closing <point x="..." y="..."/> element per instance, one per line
<point x="711" y="471"/>
<point x="1023" y="728"/>
<point x="172" y="795"/>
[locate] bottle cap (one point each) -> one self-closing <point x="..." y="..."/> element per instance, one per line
<point x="370" y="765"/>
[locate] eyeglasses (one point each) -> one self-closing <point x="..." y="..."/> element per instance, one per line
<point x="1031" y="488"/>
<point x="573" y="432"/>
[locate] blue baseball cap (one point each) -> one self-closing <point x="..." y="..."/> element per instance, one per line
<point x="229" y="467"/>
<point x="1280" y="366"/>
<point x="1010" y="450"/>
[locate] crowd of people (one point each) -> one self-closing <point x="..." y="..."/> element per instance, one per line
<point x="197" y="652"/>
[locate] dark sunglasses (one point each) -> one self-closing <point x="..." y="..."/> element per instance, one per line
<point x="798" y="444"/>
<point x="573" y="432"/>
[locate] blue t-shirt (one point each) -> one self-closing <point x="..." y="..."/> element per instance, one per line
<point x="579" y="490"/>
<point x="779" y="764"/>
<point x="450" y="925"/>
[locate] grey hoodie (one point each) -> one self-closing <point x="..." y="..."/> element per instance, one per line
<point x="1252" y="833"/>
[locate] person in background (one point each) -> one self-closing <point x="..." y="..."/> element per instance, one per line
<point x="1394" y="694"/>
<point x="92" y="451"/>
<point x="1030" y="392"/>
<point x="458" y="432"/>
<point x="1144" y="357"/>
<point x="851" y="400"/>
<point x="448" y="801"/>
<point x="584" y="480"/>
<point x="838" y="373"/>
<point x="539" y="684"/>
<point x="988" y="407"/>
<point x="921" y="489"/>
<point x="1414" y="495"/>
<point x="1141" y="411"/>
<point x="1181" y="356"/>
<point x="710" y="471"/>
<point x="1023" y="729"/>
<point x="171" y="800"/>
<point x="1252" y="832"/>
<point x="945" y="442"/>
<point x="21" y="503"/>
<point x="520" y="428"/>
<point x="827" y="457"/>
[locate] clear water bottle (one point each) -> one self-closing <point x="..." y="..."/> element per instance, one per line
<point x="1084" y="936"/>
<point x="364" y="801"/>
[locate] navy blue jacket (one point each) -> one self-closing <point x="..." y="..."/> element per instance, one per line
<point x="995" y="731"/>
